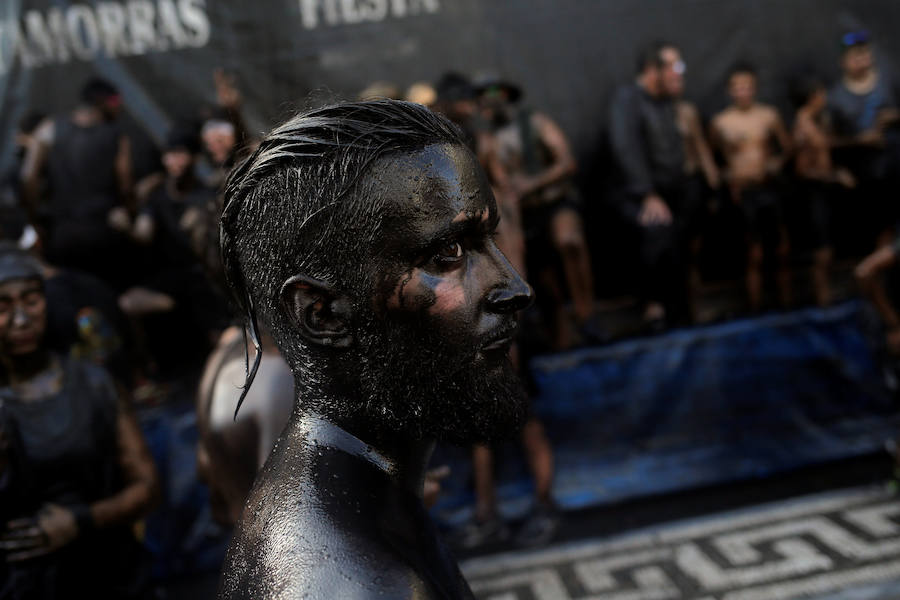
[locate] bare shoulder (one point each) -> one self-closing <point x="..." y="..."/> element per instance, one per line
<point x="769" y="112"/>
<point x="722" y="119"/>
<point x="687" y="109"/>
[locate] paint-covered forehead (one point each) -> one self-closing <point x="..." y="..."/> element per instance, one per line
<point x="429" y="189"/>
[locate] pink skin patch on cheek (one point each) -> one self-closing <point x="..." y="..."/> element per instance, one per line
<point x="449" y="297"/>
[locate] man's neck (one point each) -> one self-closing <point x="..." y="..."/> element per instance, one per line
<point x="86" y="116"/>
<point x="23" y="368"/>
<point x="645" y="83"/>
<point x="403" y="460"/>
<point x="861" y="83"/>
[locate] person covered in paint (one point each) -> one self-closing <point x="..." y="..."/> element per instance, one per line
<point x="359" y="234"/>
<point x="756" y="144"/>
<point x="75" y="472"/>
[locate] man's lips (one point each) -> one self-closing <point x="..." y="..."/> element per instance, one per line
<point x="501" y="340"/>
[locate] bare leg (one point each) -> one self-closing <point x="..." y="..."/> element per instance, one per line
<point x="563" y="334"/>
<point x="540" y="459"/>
<point x="568" y="238"/>
<point x="821" y="283"/>
<point x="783" y="277"/>
<point x="754" y="275"/>
<point x="485" y="493"/>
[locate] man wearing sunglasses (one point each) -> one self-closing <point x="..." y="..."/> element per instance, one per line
<point x="648" y="146"/>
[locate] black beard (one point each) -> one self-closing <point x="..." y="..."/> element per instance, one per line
<point x="428" y="385"/>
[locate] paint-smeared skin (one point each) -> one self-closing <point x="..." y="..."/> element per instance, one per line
<point x="324" y="522"/>
<point x="332" y="516"/>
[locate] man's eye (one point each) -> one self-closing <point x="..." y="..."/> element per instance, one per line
<point x="450" y="253"/>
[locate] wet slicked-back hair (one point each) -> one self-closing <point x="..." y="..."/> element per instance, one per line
<point x="295" y="206"/>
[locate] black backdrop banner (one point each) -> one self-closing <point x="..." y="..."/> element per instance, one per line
<point x="568" y="55"/>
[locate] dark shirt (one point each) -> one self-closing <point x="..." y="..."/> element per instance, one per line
<point x="81" y="167"/>
<point x="852" y="114"/>
<point x="65" y="452"/>
<point x="646" y="141"/>
<point x="171" y="247"/>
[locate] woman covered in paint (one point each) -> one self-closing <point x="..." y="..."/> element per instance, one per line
<point x="75" y="471"/>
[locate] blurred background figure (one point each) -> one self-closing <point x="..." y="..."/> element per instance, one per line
<point x="84" y="161"/>
<point x="863" y="108"/>
<point x="755" y="144"/>
<point x="75" y="472"/>
<point x="536" y="166"/>
<point x="232" y="448"/>
<point x="649" y="149"/>
<point x="421" y="93"/>
<point x="817" y="177"/>
<point x="380" y="89"/>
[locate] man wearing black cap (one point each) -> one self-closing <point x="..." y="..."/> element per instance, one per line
<point x="87" y="160"/>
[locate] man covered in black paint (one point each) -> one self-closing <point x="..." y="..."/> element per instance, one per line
<point x="361" y="235"/>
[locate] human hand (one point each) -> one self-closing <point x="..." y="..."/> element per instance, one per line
<point x="654" y="211"/>
<point x="54" y="528"/>
<point x="118" y="219"/>
<point x="143" y="229"/>
<point x="871" y="137"/>
<point x="432" y="486"/>
<point x="845" y="178"/>
<point x="522" y="185"/>
<point x="226" y="89"/>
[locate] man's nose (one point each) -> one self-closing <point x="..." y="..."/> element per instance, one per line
<point x="19" y="317"/>
<point x="514" y="295"/>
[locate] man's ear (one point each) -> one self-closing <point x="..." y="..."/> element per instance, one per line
<point x="321" y="314"/>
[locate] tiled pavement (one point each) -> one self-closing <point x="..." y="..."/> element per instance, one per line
<point x="842" y="545"/>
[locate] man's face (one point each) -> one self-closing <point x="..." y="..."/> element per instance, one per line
<point x="23" y="316"/>
<point x="434" y="344"/>
<point x="742" y="89"/>
<point x="219" y="140"/>
<point x="671" y="72"/>
<point x="857" y="60"/>
<point x="177" y="162"/>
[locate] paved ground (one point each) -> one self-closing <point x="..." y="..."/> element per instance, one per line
<point x="834" y="545"/>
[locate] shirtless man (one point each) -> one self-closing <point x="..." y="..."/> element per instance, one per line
<point x="535" y="173"/>
<point x="816" y="175"/>
<point x="744" y="133"/>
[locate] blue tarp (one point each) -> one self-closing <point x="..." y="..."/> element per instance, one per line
<point x="698" y="406"/>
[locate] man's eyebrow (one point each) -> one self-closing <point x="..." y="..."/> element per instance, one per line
<point x="466" y="222"/>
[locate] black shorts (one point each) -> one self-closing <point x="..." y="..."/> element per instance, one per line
<point x="762" y="213"/>
<point x="816" y="217"/>
<point x="537" y="223"/>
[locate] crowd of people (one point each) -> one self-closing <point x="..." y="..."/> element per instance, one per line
<point x="111" y="288"/>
